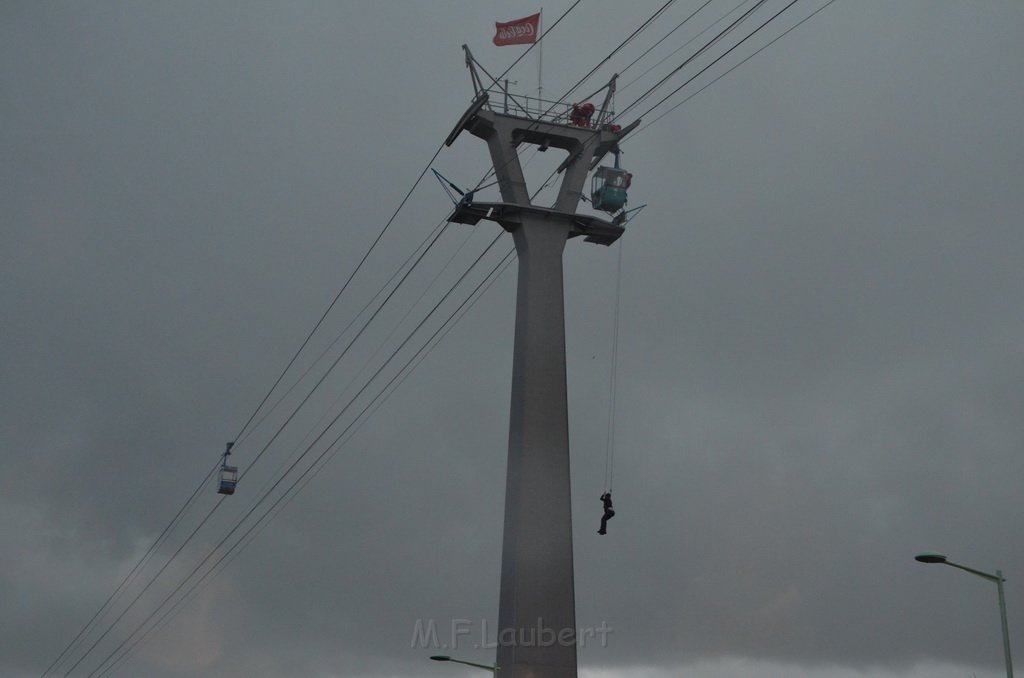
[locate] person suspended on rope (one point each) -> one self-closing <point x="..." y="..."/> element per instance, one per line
<point x="609" y="512"/>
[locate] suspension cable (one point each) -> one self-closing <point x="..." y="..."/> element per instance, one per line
<point x="725" y="31"/>
<point x="435" y="339"/>
<point x="157" y="543"/>
<point x="682" y="46"/>
<point x="541" y="37"/>
<point x="665" y="37"/>
<point x="722" y="56"/>
<point x="167" y="529"/>
<point x="622" y="44"/>
<point x="303" y="475"/>
<point x="734" y="67"/>
<point x="344" y="287"/>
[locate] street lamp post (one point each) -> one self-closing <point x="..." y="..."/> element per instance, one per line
<point x="445" y="658"/>
<point x="932" y="557"/>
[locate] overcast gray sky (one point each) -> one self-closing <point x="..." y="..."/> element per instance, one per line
<point x="820" y="365"/>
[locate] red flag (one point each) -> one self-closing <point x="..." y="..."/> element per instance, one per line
<point x="519" y="32"/>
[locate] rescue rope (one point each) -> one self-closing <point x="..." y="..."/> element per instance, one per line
<point x="610" y="450"/>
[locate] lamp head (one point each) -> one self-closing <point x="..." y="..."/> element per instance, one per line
<point x="441" y="658"/>
<point x="930" y="557"/>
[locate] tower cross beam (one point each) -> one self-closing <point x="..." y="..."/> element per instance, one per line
<point x="504" y="133"/>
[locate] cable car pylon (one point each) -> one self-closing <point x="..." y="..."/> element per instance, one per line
<point x="536" y="634"/>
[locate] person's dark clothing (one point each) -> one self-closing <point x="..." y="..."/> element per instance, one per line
<point x="609" y="512"/>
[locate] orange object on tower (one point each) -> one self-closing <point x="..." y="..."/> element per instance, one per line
<point x="580" y="116"/>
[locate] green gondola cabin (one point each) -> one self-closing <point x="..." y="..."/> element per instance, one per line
<point x="608" y="188"/>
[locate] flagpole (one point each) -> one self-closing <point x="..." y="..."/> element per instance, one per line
<point x="540" y="59"/>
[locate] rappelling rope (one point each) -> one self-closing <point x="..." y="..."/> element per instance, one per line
<point x="610" y="452"/>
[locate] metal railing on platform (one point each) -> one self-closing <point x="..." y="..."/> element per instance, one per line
<point x="534" y="108"/>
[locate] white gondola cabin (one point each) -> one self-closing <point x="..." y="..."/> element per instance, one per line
<point x="228" y="479"/>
